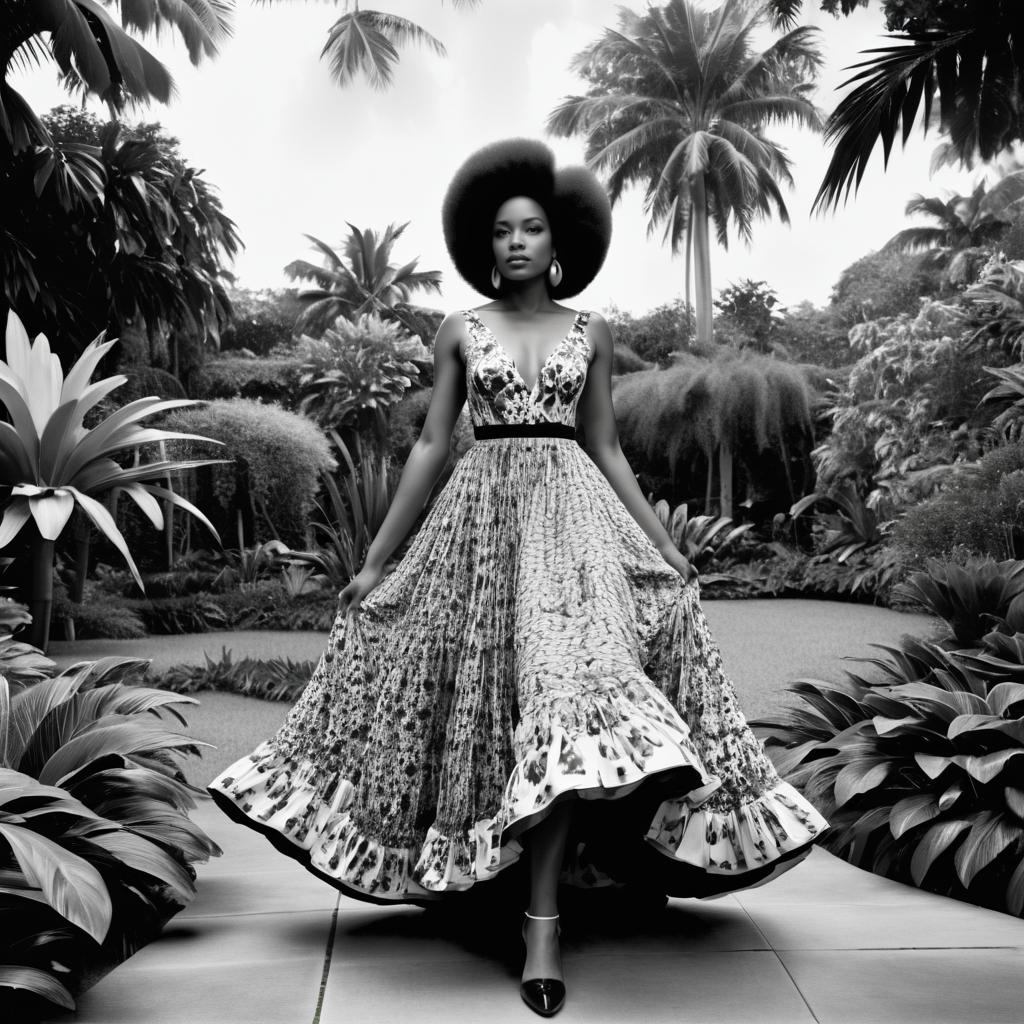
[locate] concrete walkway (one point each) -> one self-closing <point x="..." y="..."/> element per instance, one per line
<point x="265" y="942"/>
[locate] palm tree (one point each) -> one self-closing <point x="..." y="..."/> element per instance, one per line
<point x="678" y="103"/>
<point x="363" y="281"/>
<point x="969" y="54"/>
<point x="95" y="54"/>
<point x="367" y="42"/>
<point x="965" y="228"/>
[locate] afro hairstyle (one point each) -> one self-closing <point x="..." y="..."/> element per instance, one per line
<point x="573" y="199"/>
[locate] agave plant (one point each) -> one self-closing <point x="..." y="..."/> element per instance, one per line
<point x="920" y="774"/>
<point x="854" y="528"/>
<point x="969" y="597"/>
<point x="699" y="538"/>
<point x="357" y="506"/>
<point x="93" y="825"/>
<point x="52" y="462"/>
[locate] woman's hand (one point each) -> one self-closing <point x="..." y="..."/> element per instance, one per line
<point x="361" y="584"/>
<point x="681" y="564"/>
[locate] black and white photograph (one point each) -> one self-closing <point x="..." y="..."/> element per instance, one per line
<point x="512" y="509"/>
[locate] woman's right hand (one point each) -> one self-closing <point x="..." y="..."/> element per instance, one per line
<point x="362" y="583"/>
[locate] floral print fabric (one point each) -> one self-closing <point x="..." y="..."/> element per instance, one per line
<point x="531" y="647"/>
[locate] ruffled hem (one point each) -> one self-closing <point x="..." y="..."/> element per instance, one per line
<point x="281" y="799"/>
<point x="742" y="839"/>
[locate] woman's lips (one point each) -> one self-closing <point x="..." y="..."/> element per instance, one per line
<point x="518" y="259"/>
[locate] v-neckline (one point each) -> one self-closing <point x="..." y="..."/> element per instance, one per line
<point x="543" y="366"/>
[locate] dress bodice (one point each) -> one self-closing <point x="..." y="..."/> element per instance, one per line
<point x="496" y="391"/>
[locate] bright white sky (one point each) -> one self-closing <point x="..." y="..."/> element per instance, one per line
<point x="292" y="153"/>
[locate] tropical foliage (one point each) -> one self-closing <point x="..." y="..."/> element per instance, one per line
<point x="356" y="371"/>
<point x="118" y="234"/>
<point x="980" y="508"/>
<point x="909" y="408"/>
<point x="357" y="500"/>
<point x="965" y="53"/>
<point x="53" y="463"/>
<point x="366" y="42"/>
<point x="854" y="527"/>
<point x="705" y="412"/>
<point x="882" y="284"/>
<point x="96" y="846"/>
<point x="361" y="282"/>
<point x="965" y="228"/>
<point x="679" y="103"/>
<point x="919" y="772"/>
<point x="275" y="458"/>
<point x="271" y="679"/>
<point x="701" y="539"/>
<point x="96" y="56"/>
<point x="752" y="312"/>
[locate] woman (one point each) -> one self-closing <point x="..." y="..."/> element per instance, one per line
<point x="536" y="673"/>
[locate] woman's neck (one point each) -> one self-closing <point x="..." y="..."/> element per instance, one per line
<point x="527" y="297"/>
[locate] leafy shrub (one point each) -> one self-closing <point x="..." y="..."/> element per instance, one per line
<point x="882" y="284"/>
<point x="919" y="774"/>
<point x="100" y="615"/>
<point x="273" y="679"/>
<point x="870" y="575"/>
<point x="96" y="846"/>
<point x="20" y="663"/>
<point x="268" y="379"/>
<point x="981" y="511"/>
<point x="968" y="597"/>
<point x="189" y="613"/>
<point x="262" y="319"/>
<point x="356" y="370"/>
<point x="278" y="457"/>
<point x="267" y="605"/>
<point x="813" y="335"/>
<point x="656" y="336"/>
<point x="908" y="409"/>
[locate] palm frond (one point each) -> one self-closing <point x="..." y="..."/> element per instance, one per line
<point x="891" y="90"/>
<point x="367" y="42"/>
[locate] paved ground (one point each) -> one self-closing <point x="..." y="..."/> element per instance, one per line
<point x="265" y="942"/>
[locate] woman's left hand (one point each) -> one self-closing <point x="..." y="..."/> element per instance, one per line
<point x="681" y="564"/>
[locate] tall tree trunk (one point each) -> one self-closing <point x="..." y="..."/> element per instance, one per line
<point x="689" y="259"/>
<point x="710" y="484"/>
<point x="725" y="475"/>
<point x="702" y="258"/>
<point x="41" y="592"/>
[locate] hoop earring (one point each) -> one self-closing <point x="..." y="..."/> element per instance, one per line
<point x="495" y="278"/>
<point x="555" y="273"/>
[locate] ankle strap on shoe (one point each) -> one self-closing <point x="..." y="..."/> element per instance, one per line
<point x="536" y="918"/>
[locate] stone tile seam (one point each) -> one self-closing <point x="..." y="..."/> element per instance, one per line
<point x="327" y="963"/>
<point x="782" y="963"/>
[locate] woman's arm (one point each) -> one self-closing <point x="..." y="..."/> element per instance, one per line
<point x="430" y="452"/>
<point x="597" y="415"/>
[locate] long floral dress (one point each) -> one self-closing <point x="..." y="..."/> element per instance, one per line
<point x="531" y="647"/>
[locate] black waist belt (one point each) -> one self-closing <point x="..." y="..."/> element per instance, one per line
<point x="485" y="430"/>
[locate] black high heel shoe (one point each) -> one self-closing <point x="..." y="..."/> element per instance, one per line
<point x="545" y="996"/>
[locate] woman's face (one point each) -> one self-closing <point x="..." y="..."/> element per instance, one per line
<point x="521" y="239"/>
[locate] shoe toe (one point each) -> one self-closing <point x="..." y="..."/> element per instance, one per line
<point x="544" y="995"/>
